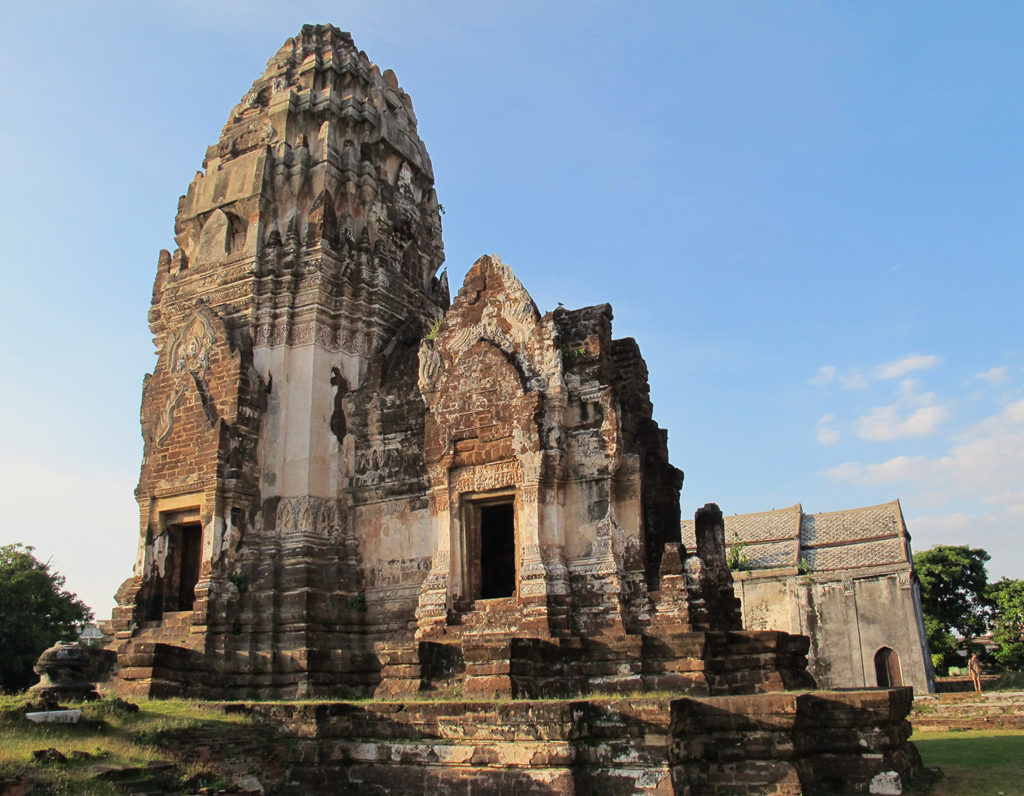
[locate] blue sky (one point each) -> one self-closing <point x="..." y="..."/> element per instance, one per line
<point x="807" y="214"/>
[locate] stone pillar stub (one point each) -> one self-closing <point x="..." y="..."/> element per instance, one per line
<point x="709" y="529"/>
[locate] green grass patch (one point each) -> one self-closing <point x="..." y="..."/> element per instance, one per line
<point x="974" y="761"/>
<point x="112" y="749"/>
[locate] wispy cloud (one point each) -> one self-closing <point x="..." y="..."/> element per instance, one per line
<point x="915" y="414"/>
<point x="901" y="367"/>
<point x="827" y="435"/>
<point x="984" y="464"/>
<point x="900" y="469"/>
<point x="992" y="530"/>
<point x="994" y="376"/>
<point x="825" y="374"/>
<point x="854" y="380"/>
<point x="886" y="423"/>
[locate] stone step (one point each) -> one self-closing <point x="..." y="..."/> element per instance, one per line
<point x="995" y="710"/>
<point x="834" y="741"/>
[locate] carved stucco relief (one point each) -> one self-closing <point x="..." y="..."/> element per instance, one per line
<point x="188" y="360"/>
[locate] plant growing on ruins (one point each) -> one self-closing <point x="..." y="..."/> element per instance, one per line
<point x="358" y="602"/>
<point x="736" y="559"/>
<point x="435" y="327"/>
<point x="570" y="354"/>
<point x="36" y="611"/>
<point x="240" y="581"/>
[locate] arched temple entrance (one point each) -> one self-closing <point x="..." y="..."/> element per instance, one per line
<point x="887" y="668"/>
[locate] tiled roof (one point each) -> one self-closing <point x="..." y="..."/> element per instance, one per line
<point x="850" y="526"/>
<point x="764" y="526"/>
<point x="835" y="540"/>
<point x="770" y="538"/>
<point x="856" y="554"/>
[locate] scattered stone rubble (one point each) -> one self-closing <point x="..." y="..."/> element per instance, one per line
<point x="350" y="488"/>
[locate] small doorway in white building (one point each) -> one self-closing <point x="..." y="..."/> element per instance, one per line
<point x="887" y="668"/>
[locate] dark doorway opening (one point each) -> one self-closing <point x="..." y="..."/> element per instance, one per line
<point x="887" y="668"/>
<point x="497" y="551"/>
<point x="190" y="547"/>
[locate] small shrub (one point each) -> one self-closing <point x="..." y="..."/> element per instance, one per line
<point x="570" y="354"/>
<point x="435" y="327"/>
<point x="113" y="706"/>
<point x="736" y="559"/>
<point x="240" y="581"/>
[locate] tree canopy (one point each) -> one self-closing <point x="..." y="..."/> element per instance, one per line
<point x="36" y="611"/>
<point x="953" y="597"/>
<point x="1007" y="601"/>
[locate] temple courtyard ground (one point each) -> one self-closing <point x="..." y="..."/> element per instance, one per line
<point x="179" y="746"/>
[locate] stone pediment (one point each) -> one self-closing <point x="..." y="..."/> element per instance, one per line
<point x="493" y="306"/>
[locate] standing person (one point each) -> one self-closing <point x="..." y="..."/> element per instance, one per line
<point x="974" y="667"/>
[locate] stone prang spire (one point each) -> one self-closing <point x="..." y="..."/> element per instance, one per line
<point x="304" y="278"/>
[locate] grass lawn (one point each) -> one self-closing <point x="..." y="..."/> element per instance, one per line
<point x="974" y="761"/>
<point x="112" y="749"/>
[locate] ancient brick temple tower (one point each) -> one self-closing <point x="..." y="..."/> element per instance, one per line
<point x="283" y="477"/>
<point x="349" y="488"/>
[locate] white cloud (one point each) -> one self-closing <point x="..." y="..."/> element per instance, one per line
<point x="901" y="469"/>
<point x="900" y="367"/>
<point x="886" y="423"/>
<point x="825" y="374"/>
<point x="915" y="414"/>
<point x="994" y="376"/>
<point x="854" y="380"/>
<point x="826" y="434"/>
<point x="985" y="464"/>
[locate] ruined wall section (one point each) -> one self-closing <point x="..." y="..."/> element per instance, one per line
<point x="608" y="389"/>
<point x="385" y="420"/>
<point x="649" y="442"/>
<point x="199" y="419"/>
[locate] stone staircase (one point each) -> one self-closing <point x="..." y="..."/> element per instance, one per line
<point x="695" y="663"/>
<point x="173" y="628"/>
<point x="157" y="660"/>
<point x="994" y="710"/>
<point x="783" y="743"/>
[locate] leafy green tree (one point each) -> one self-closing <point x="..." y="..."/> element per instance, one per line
<point x="1007" y="600"/>
<point x="953" y="597"/>
<point x="36" y="611"/>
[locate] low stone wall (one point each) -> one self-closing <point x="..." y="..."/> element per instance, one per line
<point x="992" y="710"/>
<point x="959" y="685"/>
<point x="784" y="743"/>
